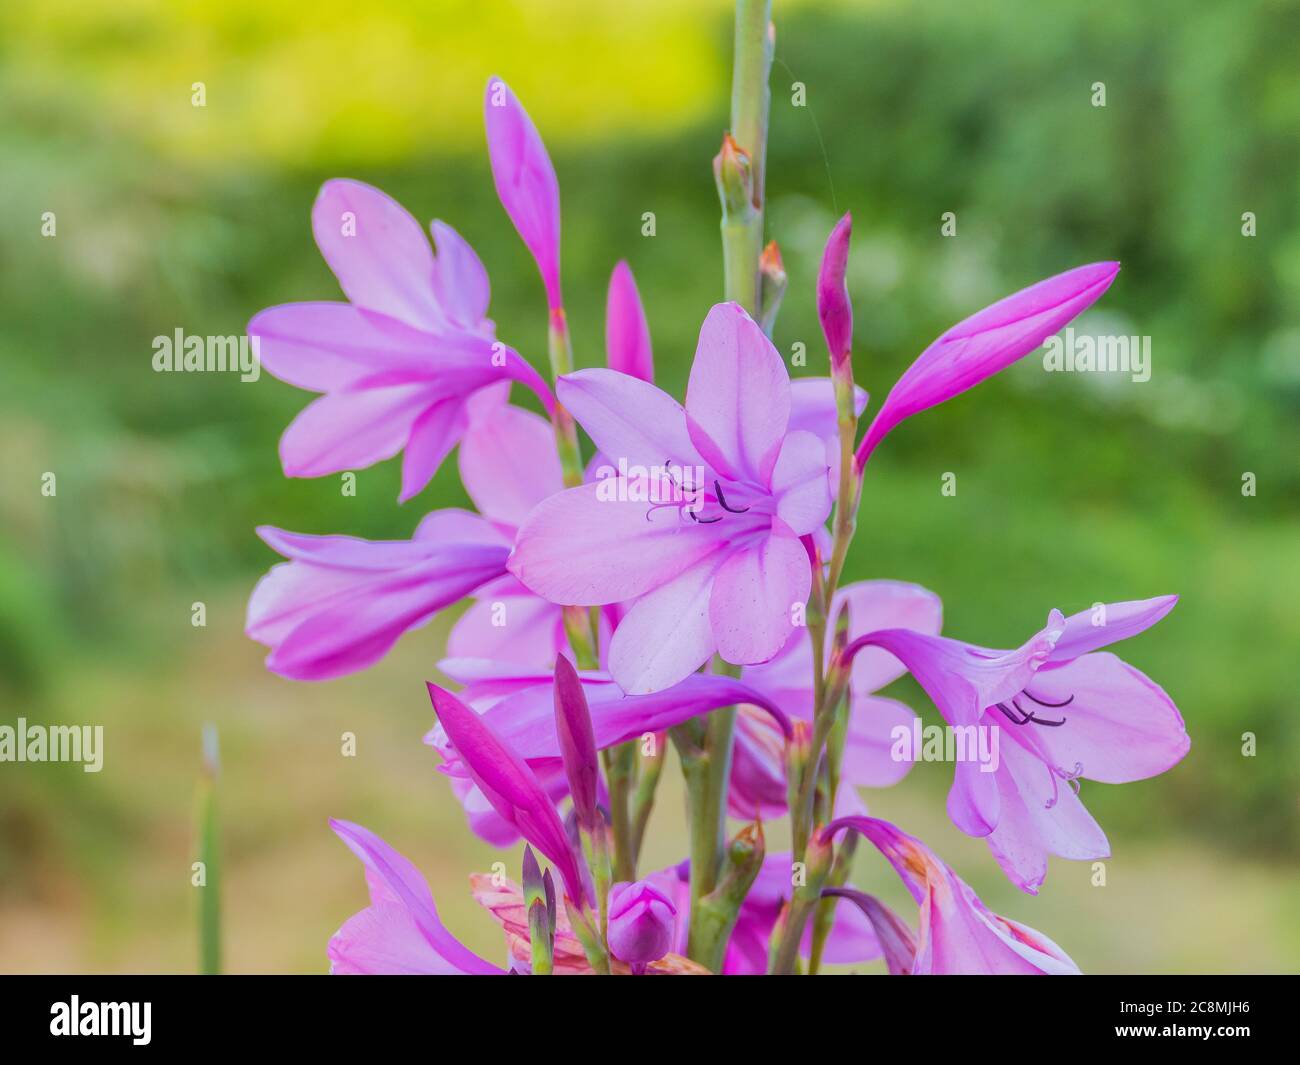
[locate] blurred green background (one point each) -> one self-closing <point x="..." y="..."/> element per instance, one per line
<point x="1071" y="489"/>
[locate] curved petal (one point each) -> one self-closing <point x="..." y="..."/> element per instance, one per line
<point x="401" y="932"/>
<point x="460" y="282"/>
<point x="800" y="484"/>
<point x="868" y="759"/>
<point x="433" y="435"/>
<point x="739" y="392"/>
<point x="352" y="430"/>
<point x="509" y="464"/>
<point x="628" y="419"/>
<point x="1089" y="630"/>
<point x="754" y="596"/>
<point x="378" y="252"/>
<point x="667" y="634"/>
<point x="1119" y="724"/>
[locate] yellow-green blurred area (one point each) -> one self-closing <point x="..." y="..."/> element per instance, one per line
<point x="1071" y="488"/>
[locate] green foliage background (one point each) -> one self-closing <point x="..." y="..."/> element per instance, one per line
<point x="1070" y="490"/>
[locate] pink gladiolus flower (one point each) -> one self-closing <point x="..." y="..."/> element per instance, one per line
<point x="721" y="567"/>
<point x="758" y="784"/>
<point x="958" y="933"/>
<point x="400" y="362"/>
<point x="641" y="922"/>
<point x="399" y="933"/>
<point x="508" y="784"/>
<point x="833" y="306"/>
<point x="340" y="603"/>
<point x="627" y="335"/>
<point x="525" y="181"/>
<point x="986" y="343"/>
<point x="1063" y="712"/>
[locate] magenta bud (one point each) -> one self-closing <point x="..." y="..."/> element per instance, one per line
<point x="833" y="307"/>
<point x="577" y="743"/>
<point x="641" y="922"/>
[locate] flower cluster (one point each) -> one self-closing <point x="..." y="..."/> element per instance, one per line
<point x="679" y="586"/>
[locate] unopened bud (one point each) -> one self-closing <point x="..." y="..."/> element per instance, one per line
<point x="772" y="282"/>
<point x="733" y="172"/>
<point x="833" y="306"/>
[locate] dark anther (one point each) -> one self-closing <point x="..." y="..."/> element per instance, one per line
<point x="722" y="501"/>
<point x="703" y="521"/>
<point x="1027" y="716"/>
<point x="1040" y="702"/>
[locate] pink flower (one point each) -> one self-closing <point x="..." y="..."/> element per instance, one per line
<point x="402" y="361"/>
<point x="340" y="603"/>
<point x="399" y="933"/>
<point x="1062" y="711"/>
<point x="986" y="343"/>
<point x="627" y="334"/>
<point x="958" y="934"/>
<point x="721" y="567"/>
<point x="525" y="181"/>
<point x="641" y="922"/>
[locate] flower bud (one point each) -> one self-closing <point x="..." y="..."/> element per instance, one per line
<point x="734" y="174"/>
<point x="641" y="922"/>
<point x="771" y="281"/>
<point x="833" y="307"/>
<point x="577" y="743"/>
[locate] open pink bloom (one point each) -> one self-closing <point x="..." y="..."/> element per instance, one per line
<point x="525" y="181"/>
<point x="340" y="603"/>
<point x="958" y="934"/>
<point x="712" y="555"/>
<point x="641" y="922"/>
<point x="987" y="343"/>
<point x="399" y="933"/>
<point x="758" y="784"/>
<point x="1063" y="711"/>
<point x="508" y="784"/>
<point x="400" y="363"/>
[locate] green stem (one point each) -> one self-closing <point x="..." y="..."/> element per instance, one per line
<point x="559" y="347"/>
<point x="620" y="765"/>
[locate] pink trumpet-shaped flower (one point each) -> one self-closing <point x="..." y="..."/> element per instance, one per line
<point x="525" y="182"/>
<point x="508" y="784"/>
<point x="986" y="343"/>
<point x="641" y="922"/>
<point x="1063" y="712"/>
<point x="399" y="933"/>
<point x="340" y="603"/>
<point x="720" y="566"/>
<point x="400" y="363"/>
<point x="833" y="306"/>
<point x="627" y="334"/>
<point x="958" y="934"/>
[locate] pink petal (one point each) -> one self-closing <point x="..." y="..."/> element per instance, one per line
<point x="525" y="182"/>
<point x="869" y="743"/>
<point x="875" y="605"/>
<point x="988" y="342"/>
<point x="402" y="933"/>
<point x="324" y="347"/>
<point x="460" y="282"/>
<point x="351" y="430"/>
<point x="627" y="334"/>
<point x="755" y="593"/>
<point x="577" y="547"/>
<point x="378" y="252"/>
<point x="628" y="419"/>
<point x="1094" y="628"/>
<point x="799" y="482"/>
<point x="433" y="435"/>
<point x="739" y="392"/>
<point x="509" y="464"/>
<point x="667" y="634"/>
